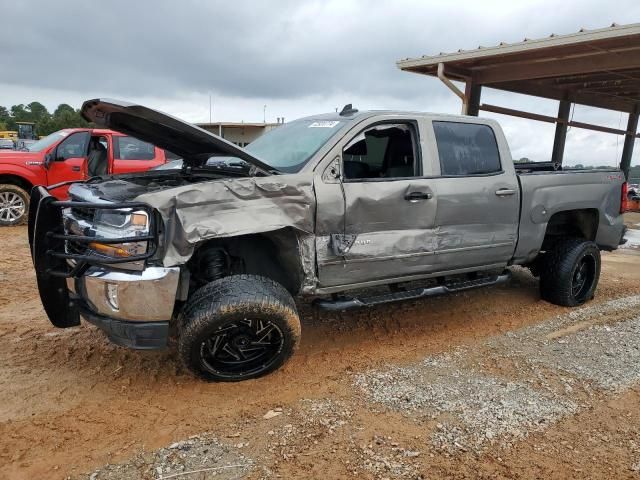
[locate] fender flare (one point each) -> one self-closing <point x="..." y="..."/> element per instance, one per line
<point x="24" y="174"/>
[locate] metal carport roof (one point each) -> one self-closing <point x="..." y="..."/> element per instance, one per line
<point x="598" y="68"/>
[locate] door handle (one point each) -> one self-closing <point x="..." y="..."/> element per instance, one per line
<point x="505" y="192"/>
<point x="75" y="169"/>
<point x="416" y="196"/>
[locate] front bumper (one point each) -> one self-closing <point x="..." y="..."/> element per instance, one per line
<point x="146" y="296"/>
<point x="138" y="335"/>
<point x="133" y="307"/>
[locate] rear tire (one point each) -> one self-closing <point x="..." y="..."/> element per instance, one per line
<point x="569" y="272"/>
<point x="237" y="328"/>
<point x="14" y="205"/>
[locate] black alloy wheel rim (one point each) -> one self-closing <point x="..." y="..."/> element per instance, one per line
<point x="242" y="348"/>
<point x="583" y="277"/>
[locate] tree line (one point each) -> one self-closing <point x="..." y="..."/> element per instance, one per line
<point x="65" y="116"/>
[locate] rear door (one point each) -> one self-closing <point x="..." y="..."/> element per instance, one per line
<point x="133" y="155"/>
<point x="68" y="162"/>
<point x="383" y="210"/>
<point x="478" y="195"/>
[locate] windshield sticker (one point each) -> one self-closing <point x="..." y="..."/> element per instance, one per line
<point x="324" y="124"/>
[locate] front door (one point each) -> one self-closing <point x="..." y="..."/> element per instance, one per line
<point x="68" y="162"/>
<point x="384" y="228"/>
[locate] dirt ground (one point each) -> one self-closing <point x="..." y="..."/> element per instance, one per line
<point x="491" y="383"/>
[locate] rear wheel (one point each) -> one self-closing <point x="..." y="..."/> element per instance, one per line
<point x="569" y="272"/>
<point x="238" y="327"/>
<point x="14" y="205"/>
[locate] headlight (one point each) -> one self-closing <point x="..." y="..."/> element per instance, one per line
<point x="121" y="223"/>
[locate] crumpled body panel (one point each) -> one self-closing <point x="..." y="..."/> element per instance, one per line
<point x="230" y="207"/>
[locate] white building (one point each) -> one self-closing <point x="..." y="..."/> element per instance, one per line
<point x="240" y="133"/>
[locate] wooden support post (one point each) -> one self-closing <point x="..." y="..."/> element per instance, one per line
<point x="564" y="110"/>
<point x="629" y="140"/>
<point x="472" y="92"/>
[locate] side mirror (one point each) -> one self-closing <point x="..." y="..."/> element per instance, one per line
<point x="48" y="158"/>
<point x="332" y="173"/>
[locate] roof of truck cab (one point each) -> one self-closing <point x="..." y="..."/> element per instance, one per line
<point x="94" y="131"/>
<point x="401" y="114"/>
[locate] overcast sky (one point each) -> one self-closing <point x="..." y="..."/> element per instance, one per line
<point x="296" y="57"/>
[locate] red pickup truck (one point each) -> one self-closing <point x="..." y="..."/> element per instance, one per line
<point x="70" y="154"/>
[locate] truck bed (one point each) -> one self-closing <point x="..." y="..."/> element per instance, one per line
<point x="593" y="194"/>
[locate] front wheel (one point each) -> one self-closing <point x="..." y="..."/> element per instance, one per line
<point x="14" y="205"/>
<point x="569" y="272"/>
<point x="238" y="327"/>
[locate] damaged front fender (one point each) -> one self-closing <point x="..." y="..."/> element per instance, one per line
<point x="198" y="212"/>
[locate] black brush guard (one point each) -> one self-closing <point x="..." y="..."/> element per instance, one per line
<point x="47" y="240"/>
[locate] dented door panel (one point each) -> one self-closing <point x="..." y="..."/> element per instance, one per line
<point x="475" y="225"/>
<point x="392" y="235"/>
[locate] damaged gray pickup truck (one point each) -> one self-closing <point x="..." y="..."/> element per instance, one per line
<point x="215" y="250"/>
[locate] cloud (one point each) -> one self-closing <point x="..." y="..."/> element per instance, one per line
<point x="296" y="57"/>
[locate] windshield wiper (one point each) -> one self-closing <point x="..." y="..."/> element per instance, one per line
<point x="253" y="171"/>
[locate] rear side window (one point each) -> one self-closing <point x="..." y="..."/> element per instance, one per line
<point x="466" y="149"/>
<point x="130" y="148"/>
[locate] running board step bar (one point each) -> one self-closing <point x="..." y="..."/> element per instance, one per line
<point x="347" y="303"/>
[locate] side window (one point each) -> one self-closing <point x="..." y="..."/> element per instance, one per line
<point x="383" y="151"/>
<point x="466" y="148"/>
<point x="74" y="146"/>
<point x="130" y="148"/>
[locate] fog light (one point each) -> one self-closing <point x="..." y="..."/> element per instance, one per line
<point x="112" y="295"/>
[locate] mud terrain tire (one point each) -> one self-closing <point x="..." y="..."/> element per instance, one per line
<point x="569" y="272"/>
<point x="237" y="328"/>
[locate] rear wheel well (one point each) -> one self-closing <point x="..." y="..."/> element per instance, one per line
<point x="273" y="255"/>
<point x="581" y="223"/>
<point x="17" y="181"/>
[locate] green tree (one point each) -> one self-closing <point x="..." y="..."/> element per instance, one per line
<point x="4" y="118"/>
<point x="63" y="108"/>
<point x="64" y="116"/>
<point x="20" y="114"/>
<point x="4" y="114"/>
<point x="38" y="111"/>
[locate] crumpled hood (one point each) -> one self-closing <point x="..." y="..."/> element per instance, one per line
<point x="194" y="144"/>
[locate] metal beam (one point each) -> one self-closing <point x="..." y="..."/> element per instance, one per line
<point x="473" y="92"/>
<point x="517" y="113"/>
<point x="629" y="141"/>
<point x="607" y="61"/>
<point x="546" y="118"/>
<point x="588" y="78"/>
<point x="546" y="91"/>
<point x="444" y="79"/>
<point x="557" y="154"/>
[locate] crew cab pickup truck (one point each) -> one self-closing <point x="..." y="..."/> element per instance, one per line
<point x="324" y="206"/>
<point x="67" y="155"/>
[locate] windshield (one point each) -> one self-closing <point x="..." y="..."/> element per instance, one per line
<point x="289" y="147"/>
<point x="46" y="142"/>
